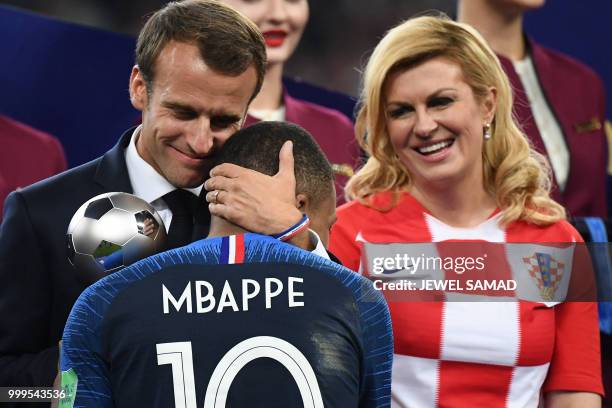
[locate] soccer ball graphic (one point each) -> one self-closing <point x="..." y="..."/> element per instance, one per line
<point x="110" y="231"/>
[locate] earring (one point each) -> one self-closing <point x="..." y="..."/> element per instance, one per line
<point x="487" y="131"/>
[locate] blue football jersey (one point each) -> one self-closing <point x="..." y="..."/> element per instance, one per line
<point x="239" y="321"/>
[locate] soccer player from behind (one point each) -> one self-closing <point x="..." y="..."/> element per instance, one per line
<point x="238" y="318"/>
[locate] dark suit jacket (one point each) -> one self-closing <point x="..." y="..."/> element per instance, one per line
<point x="39" y="286"/>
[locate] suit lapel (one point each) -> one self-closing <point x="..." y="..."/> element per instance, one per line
<point x="111" y="172"/>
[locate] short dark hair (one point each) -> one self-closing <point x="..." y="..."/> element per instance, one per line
<point x="257" y="147"/>
<point x="228" y="42"/>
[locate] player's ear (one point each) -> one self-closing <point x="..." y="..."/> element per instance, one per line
<point x="302" y="202"/>
<point x="138" y="89"/>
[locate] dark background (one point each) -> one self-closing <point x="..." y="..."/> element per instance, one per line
<point x="342" y="32"/>
<point x="338" y="36"/>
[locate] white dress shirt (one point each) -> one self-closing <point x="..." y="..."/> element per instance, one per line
<point x="549" y="128"/>
<point x="147" y="183"/>
<point x="268" y="114"/>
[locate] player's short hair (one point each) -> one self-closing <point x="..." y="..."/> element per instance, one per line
<point x="257" y="147"/>
<point x="228" y="41"/>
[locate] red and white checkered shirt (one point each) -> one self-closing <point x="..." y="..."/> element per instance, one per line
<point x="475" y="354"/>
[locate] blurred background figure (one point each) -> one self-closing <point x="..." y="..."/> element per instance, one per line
<point x="336" y="37"/>
<point x="559" y="102"/>
<point x="27" y="155"/>
<point x="282" y="23"/>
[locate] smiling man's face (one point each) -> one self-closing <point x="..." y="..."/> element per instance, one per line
<point x="189" y="113"/>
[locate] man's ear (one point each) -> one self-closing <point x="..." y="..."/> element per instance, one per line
<point x="138" y="89"/>
<point x="302" y="202"/>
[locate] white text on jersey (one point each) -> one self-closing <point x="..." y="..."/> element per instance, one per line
<point x="206" y="300"/>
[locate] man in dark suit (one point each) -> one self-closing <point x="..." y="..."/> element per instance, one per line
<point x="198" y="66"/>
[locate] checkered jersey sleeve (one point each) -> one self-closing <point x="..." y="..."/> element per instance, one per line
<point x="342" y="242"/>
<point x="575" y="364"/>
<point x="576" y="359"/>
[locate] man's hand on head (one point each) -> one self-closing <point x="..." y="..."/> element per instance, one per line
<point x="252" y="200"/>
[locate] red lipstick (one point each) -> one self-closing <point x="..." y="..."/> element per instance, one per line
<point x="274" y="38"/>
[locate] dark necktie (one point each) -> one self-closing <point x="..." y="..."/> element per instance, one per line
<point x="183" y="204"/>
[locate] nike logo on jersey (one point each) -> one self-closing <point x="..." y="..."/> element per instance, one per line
<point x="359" y="238"/>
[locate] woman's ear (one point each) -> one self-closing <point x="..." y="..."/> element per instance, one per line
<point x="489" y="105"/>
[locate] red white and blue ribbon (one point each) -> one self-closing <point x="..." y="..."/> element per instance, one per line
<point x="294" y="230"/>
<point x="232" y="249"/>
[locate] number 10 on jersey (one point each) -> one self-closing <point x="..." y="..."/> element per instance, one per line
<point x="179" y="356"/>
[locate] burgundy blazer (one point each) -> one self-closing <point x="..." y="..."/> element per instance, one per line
<point x="333" y="132"/>
<point x="575" y="95"/>
<point x="5" y="190"/>
<point x="27" y="155"/>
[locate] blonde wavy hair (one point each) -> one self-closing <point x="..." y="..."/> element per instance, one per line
<point x="514" y="173"/>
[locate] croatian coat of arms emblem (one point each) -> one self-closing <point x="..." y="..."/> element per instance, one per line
<point x="547" y="272"/>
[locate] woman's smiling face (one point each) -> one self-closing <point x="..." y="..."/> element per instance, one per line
<point x="435" y="122"/>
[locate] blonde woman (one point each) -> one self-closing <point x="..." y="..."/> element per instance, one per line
<point x="449" y="163"/>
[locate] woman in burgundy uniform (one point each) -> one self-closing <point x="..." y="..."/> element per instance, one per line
<point x="559" y="102"/>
